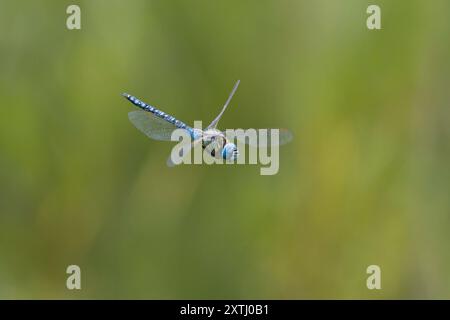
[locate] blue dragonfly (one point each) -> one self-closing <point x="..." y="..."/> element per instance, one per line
<point x="158" y="125"/>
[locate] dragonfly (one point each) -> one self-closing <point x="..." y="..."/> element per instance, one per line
<point x="159" y="125"/>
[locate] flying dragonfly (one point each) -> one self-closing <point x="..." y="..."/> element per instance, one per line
<point x="158" y="125"/>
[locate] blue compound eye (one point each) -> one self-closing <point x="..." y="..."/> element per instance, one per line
<point x="230" y="152"/>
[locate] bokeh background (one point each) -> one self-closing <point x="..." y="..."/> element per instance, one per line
<point x="365" y="181"/>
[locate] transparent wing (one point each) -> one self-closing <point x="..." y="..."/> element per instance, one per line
<point x="214" y="123"/>
<point x="152" y="126"/>
<point x="183" y="155"/>
<point x="284" y="136"/>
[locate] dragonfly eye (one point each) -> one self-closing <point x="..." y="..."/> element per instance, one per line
<point x="230" y="152"/>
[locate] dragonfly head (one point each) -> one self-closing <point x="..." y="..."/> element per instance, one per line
<point x="230" y="152"/>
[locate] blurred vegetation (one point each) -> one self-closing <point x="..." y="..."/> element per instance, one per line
<point x="365" y="181"/>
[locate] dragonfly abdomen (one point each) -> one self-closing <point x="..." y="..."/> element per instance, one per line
<point x="156" y="112"/>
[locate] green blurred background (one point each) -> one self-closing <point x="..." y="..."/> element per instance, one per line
<point x="365" y="181"/>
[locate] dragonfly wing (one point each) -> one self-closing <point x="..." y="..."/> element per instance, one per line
<point x="284" y="136"/>
<point x="152" y="126"/>
<point x="183" y="155"/>
<point x="214" y="123"/>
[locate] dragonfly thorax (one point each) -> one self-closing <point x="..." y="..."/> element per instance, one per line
<point x="218" y="146"/>
<point x="213" y="138"/>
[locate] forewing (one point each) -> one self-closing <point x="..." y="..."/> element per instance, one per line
<point x="213" y="124"/>
<point x="285" y="136"/>
<point x="152" y="126"/>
